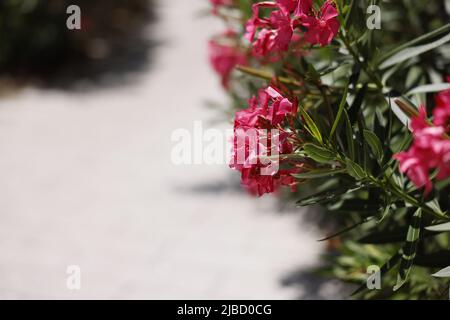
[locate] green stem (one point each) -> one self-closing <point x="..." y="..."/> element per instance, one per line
<point x="266" y="75"/>
<point x="404" y="196"/>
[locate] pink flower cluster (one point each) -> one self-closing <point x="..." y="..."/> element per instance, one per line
<point x="272" y="35"/>
<point x="261" y="121"/>
<point x="289" y="25"/>
<point x="431" y="146"/>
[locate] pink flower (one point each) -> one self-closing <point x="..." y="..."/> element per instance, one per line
<point x="254" y="123"/>
<point x="257" y="184"/>
<point x="270" y="106"/>
<point x="254" y="134"/>
<point x="430" y="150"/>
<point x="303" y="8"/>
<point x="276" y="33"/>
<point x="321" y="29"/>
<point x="280" y="107"/>
<point x="288" y="5"/>
<point x="412" y="164"/>
<point x="441" y="113"/>
<point x="225" y="56"/>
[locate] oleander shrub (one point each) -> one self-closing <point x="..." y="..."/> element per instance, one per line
<point x="353" y="116"/>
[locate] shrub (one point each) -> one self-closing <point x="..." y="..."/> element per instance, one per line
<point x="361" y="117"/>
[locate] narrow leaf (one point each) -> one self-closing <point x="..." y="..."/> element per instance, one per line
<point x="262" y="74"/>
<point x="319" y="154"/>
<point x="386" y="211"/>
<point x="324" y="196"/>
<point x="425" y="37"/>
<point x="374" y="144"/>
<point x="355" y="170"/>
<point x="409" y="249"/>
<point x="430" y="88"/>
<point x="349" y="134"/>
<point x="412" y="52"/>
<point x="444" y="273"/>
<point x="341" y="109"/>
<point x="318" y="173"/>
<point x="311" y="126"/>
<point x="439" y="227"/>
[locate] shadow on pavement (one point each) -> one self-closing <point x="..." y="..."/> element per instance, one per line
<point x="311" y="286"/>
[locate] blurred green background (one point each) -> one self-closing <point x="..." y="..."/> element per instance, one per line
<point x="35" y="41"/>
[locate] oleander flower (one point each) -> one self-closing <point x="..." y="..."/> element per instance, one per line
<point x="280" y="106"/>
<point x="411" y="164"/>
<point x="430" y="151"/>
<point x="441" y="114"/>
<point x="303" y="8"/>
<point x="323" y="28"/>
<point x="224" y="55"/>
<point x="275" y="32"/>
<point x="256" y="135"/>
<point x="258" y="185"/>
<point x="288" y="5"/>
<point x="270" y="106"/>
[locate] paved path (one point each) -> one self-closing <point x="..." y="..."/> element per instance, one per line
<point x="86" y="179"/>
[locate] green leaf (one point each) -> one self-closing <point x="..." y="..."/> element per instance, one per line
<point x="312" y="72"/>
<point x="412" y="52"/>
<point x="318" y="173"/>
<point x="311" y="126"/>
<point x="324" y="196"/>
<point x="385" y="213"/>
<point x="319" y="154"/>
<point x="349" y="134"/>
<point x="374" y="144"/>
<point x="444" y="273"/>
<point x="439" y="227"/>
<point x="425" y="37"/>
<point x="262" y="74"/>
<point x="434" y="205"/>
<point x="318" y="198"/>
<point x="358" y="205"/>
<point x="355" y="170"/>
<point x="430" y="88"/>
<point x="408" y="251"/>
<point x="341" y="109"/>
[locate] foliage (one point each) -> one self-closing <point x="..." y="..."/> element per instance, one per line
<point x="358" y="99"/>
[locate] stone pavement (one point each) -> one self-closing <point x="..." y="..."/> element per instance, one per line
<point x="86" y="179"/>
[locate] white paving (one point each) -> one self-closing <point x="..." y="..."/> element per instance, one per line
<point x="86" y="179"/>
